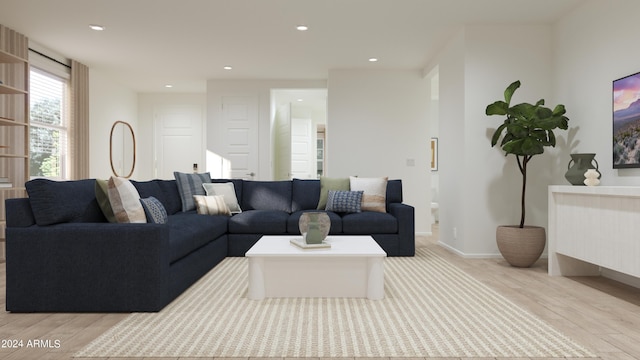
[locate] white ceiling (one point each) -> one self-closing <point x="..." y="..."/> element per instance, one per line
<point x="150" y="43"/>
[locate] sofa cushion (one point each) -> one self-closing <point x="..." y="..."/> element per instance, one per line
<point x="211" y="205"/>
<point x="344" y="201"/>
<point x="54" y="202"/>
<point x="171" y="196"/>
<point x="189" y="185"/>
<point x="374" y="192"/>
<point x="125" y="201"/>
<point x="394" y="192"/>
<point x="369" y="222"/>
<point x="154" y="210"/>
<point x="266" y="195"/>
<point x="270" y="222"/>
<point x="227" y="191"/>
<point x="149" y="188"/>
<point x="189" y="231"/>
<point x="305" y="194"/>
<point x="294" y="218"/>
<point x="327" y="184"/>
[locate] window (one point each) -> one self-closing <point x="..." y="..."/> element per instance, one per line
<point x="49" y="124"/>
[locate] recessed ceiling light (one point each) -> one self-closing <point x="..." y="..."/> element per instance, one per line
<point x="168" y="86"/>
<point x="302" y="27"/>
<point x="227" y="68"/>
<point x="373" y="59"/>
<point x="96" y="27"/>
<point x="300" y="100"/>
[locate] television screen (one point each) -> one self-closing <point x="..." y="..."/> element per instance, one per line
<point x="626" y="122"/>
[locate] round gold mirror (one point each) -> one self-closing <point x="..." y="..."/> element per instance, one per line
<point x="122" y="149"/>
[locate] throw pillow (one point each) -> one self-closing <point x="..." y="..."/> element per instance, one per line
<point x="154" y="210"/>
<point x="189" y="185"/>
<point x="344" y="201"/>
<point x="227" y="191"/>
<point x="211" y="205"/>
<point x="327" y="184"/>
<point x="374" y="197"/>
<point x="125" y="201"/>
<point x="103" y="200"/>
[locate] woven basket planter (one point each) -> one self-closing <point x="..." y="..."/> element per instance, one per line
<point x="521" y="247"/>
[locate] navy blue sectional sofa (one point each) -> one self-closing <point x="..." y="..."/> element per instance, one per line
<point x="63" y="255"/>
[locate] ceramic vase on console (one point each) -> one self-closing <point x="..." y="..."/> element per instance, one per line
<point x="314" y="226"/>
<point x="578" y="165"/>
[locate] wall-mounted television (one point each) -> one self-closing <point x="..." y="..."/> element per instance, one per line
<point x="626" y="122"/>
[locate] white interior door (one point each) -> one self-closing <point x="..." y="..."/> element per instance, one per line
<point x="302" y="149"/>
<point x="178" y="139"/>
<point x="240" y="126"/>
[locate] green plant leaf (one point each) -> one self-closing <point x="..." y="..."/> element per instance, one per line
<point x="497" y="133"/>
<point x="559" y="110"/>
<point x="519" y="130"/>
<point x="564" y="123"/>
<point x="508" y="92"/>
<point x="543" y="112"/>
<point x="531" y="147"/>
<point x="507" y="138"/>
<point x="552" y="138"/>
<point x="523" y="111"/>
<point x="497" y="108"/>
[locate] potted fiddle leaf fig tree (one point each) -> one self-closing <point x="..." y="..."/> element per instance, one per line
<point x="526" y="131"/>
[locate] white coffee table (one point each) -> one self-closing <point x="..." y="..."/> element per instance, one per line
<point x="352" y="267"/>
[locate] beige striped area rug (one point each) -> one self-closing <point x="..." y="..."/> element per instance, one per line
<point x="431" y="309"/>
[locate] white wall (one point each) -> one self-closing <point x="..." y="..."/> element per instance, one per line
<point x="479" y="188"/>
<point x="377" y="122"/>
<point x="594" y="45"/>
<point x="108" y="103"/>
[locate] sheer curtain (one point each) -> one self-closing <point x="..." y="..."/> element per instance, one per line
<point x="79" y="124"/>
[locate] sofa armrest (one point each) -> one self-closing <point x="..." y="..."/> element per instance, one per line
<point x="405" y="214"/>
<point x="92" y="267"/>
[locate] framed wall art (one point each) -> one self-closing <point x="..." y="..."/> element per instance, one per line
<point x="626" y="122"/>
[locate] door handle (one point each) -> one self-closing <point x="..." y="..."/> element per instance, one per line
<point x="252" y="174"/>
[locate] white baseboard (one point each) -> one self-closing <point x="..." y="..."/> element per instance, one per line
<point x="620" y="277"/>
<point x="469" y="256"/>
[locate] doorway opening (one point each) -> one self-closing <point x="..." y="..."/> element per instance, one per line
<point x="298" y="130"/>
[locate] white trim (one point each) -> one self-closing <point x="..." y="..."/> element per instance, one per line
<point x="469" y="256"/>
<point x="48" y="65"/>
<point x="620" y="277"/>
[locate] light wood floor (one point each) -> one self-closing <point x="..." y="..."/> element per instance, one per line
<point x="599" y="313"/>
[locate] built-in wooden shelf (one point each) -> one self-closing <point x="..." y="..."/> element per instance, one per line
<point x="16" y="156"/>
<point x="10" y="122"/>
<point x="6" y="57"/>
<point x="10" y="90"/>
<point x="13" y="189"/>
<point x="14" y="110"/>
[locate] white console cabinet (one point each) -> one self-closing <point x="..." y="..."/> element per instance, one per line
<point x="592" y="227"/>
